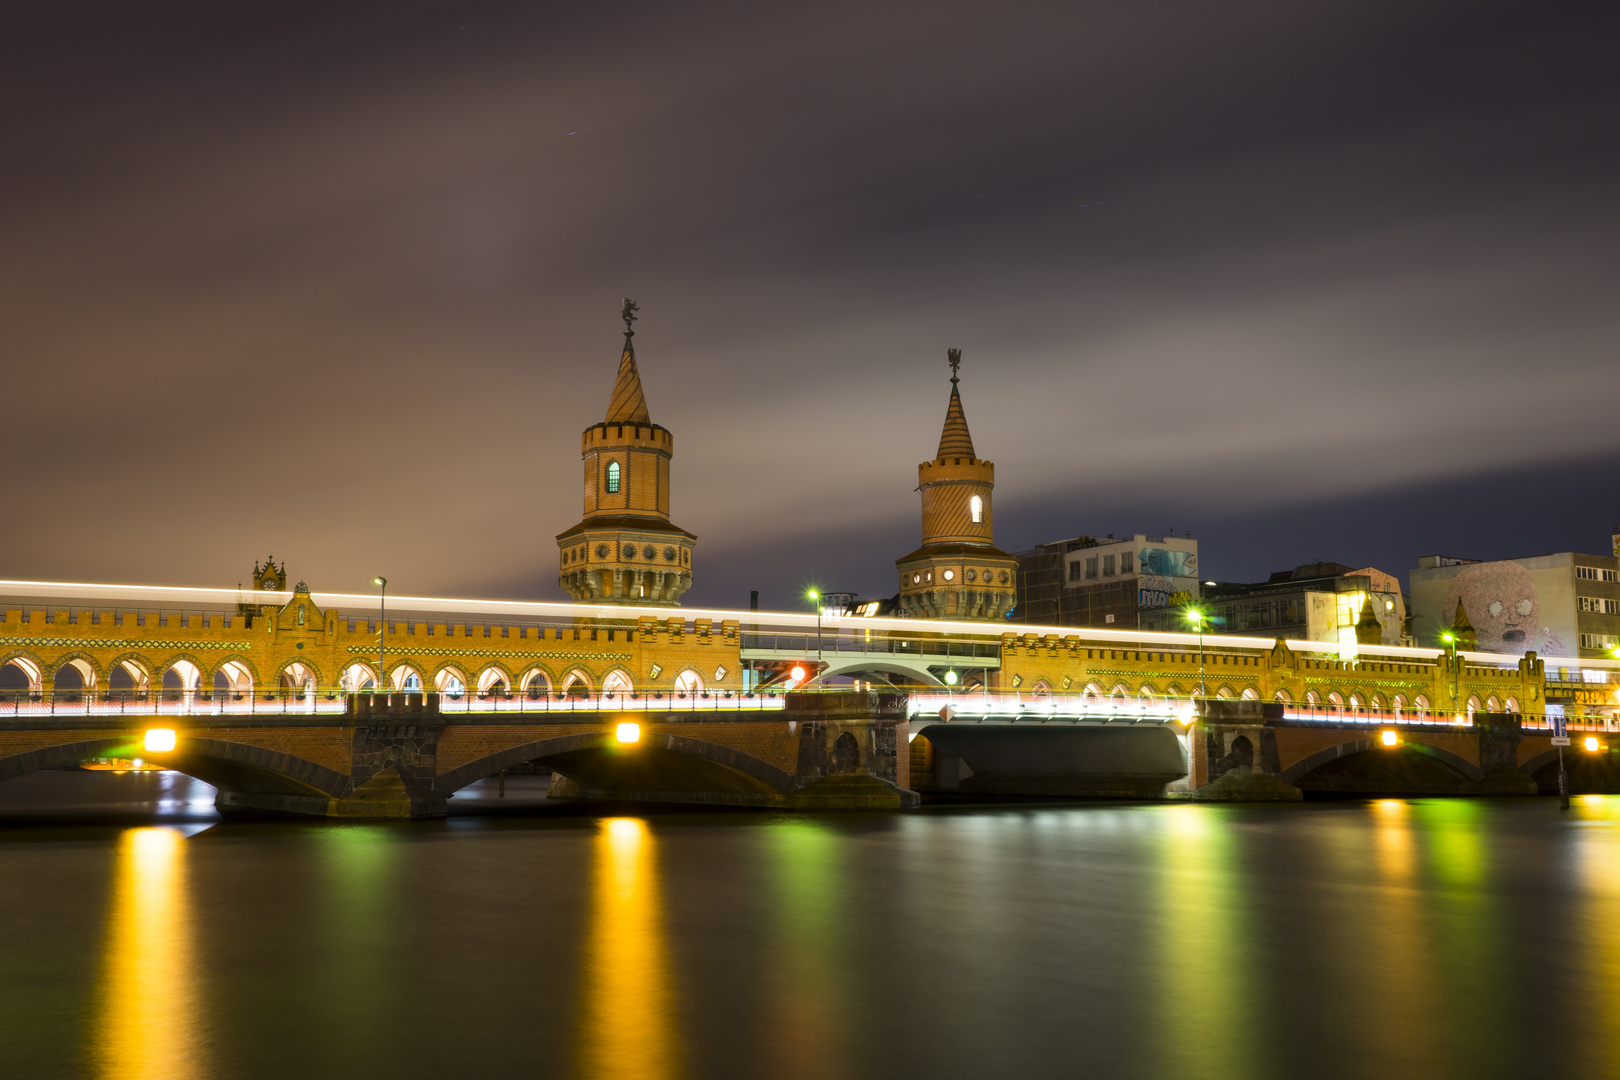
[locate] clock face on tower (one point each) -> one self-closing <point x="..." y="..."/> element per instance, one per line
<point x="268" y="586"/>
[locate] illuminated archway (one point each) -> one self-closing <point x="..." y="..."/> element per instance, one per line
<point x="576" y="684"/>
<point x="617" y="682"/>
<point x="536" y="684"/>
<point x="358" y="676"/>
<point x="450" y="682"/>
<point x="688" y="684"/>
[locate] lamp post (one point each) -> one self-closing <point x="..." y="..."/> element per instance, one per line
<point x="1196" y="617"/>
<point x="815" y="598"/>
<point x="1451" y="647"/>
<point x="382" y="625"/>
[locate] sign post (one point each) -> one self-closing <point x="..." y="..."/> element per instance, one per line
<point x="1560" y="739"/>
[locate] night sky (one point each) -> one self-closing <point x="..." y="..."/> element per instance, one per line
<point x="341" y="282"/>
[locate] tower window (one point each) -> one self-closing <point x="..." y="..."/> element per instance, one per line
<point x="613" y="477"/>
<point x="976" y="505"/>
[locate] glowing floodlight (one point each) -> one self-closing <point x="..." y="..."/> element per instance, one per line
<point x="798" y="673"/>
<point x="1389" y="738"/>
<point x="1592" y="744"/>
<point x="950" y="678"/>
<point x="629" y="733"/>
<point x="160" y="740"/>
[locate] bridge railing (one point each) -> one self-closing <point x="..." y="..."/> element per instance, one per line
<point x="1019" y="706"/>
<point x="69" y="704"/>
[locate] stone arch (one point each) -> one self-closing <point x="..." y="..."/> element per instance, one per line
<point x="1040" y="691"/>
<point x="235" y="677"/>
<point x="1250" y="694"/>
<point x="1312" y="697"/>
<point x="228" y="766"/>
<point x="576" y="683"/>
<point x="28" y="670"/>
<point x="84" y="665"/>
<point x="1225" y="692"/>
<point x="1421" y="704"/>
<point x="402" y="675"/>
<point x="1473" y="705"/>
<point x="1335" y="699"/>
<point x="536" y="683"/>
<point x="132" y="669"/>
<point x="180" y="676"/>
<point x="493" y="675"/>
<point x="1512" y="704"/>
<point x="845" y="756"/>
<point x="617" y="681"/>
<point x="450" y="679"/>
<point x="1493" y="704"/>
<point x="569" y="755"/>
<point x="356" y="674"/>
<point x="298" y="679"/>
<point x="1091" y="694"/>
<point x="1119" y="693"/>
<point x="689" y="683"/>
<point x="1295" y="772"/>
<point x="1282" y="696"/>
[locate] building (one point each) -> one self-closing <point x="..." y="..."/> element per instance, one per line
<point x="1105" y="582"/>
<point x="1322" y="601"/>
<point x="1567" y="604"/>
<point x="958" y="573"/>
<point x="626" y="550"/>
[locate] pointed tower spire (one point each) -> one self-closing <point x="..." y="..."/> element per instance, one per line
<point x="954" y="440"/>
<point x="628" y="404"/>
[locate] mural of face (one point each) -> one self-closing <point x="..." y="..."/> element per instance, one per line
<point x="1500" y="599"/>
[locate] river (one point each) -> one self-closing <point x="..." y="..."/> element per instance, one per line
<point x="140" y="938"/>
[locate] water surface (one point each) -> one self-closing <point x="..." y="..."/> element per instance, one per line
<point x="1428" y="938"/>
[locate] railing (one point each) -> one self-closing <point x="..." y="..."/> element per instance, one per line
<point x="1344" y="714"/>
<point x="67" y="704"/>
<point x="1040" y="707"/>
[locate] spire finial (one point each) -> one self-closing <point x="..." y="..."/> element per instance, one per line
<point x="629" y="316"/>
<point x="955" y="356"/>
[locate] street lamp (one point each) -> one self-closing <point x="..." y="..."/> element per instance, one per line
<point x="1451" y="646"/>
<point x="1196" y="617"/>
<point x="382" y="625"/>
<point x="815" y="598"/>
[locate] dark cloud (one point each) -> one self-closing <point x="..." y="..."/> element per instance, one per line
<point x="340" y="281"/>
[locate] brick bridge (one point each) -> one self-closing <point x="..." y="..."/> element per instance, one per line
<point x="1245" y="749"/>
<point x="399" y="756"/>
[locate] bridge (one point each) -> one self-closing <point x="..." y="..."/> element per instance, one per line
<point x="952" y="709"/>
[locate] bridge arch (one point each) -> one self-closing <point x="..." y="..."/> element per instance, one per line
<point x="21" y="667"/>
<point x="130" y="671"/>
<point x="493" y="675"/>
<point x="228" y="766"/>
<point x="576" y="683"/>
<point x="916" y="670"/>
<point x="236" y="675"/>
<point x="1326" y="756"/>
<point x="659" y="762"/>
<point x="405" y="676"/>
<point x="537" y="683"/>
<point x="80" y="664"/>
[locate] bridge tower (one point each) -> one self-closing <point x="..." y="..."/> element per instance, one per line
<point x="958" y="573"/>
<point x="626" y="550"/>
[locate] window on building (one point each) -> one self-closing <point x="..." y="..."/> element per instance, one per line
<point x="613" y="477"/>
<point x="1608" y="575"/>
<point x="976" y="505"/>
<point x="1108" y="566"/>
<point x="1587" y="573"/>
<point x="1127" y="563"/>
<point x="1597" y="641"/>
<point x="1091" y="567"/>
<point x="1074" y="570"/>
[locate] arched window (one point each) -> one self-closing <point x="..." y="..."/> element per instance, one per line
<point x="451" y="683"/>
<point x="688" y="684"/>
<point x="976" y="505"/>
<point x="617" y="682"/>
<point x="613" y="477"/>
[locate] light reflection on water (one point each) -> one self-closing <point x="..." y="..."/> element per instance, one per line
<point x="1389" y="938"/>
<point x="628" y="1029"/>
<point x="149" y="1023"/>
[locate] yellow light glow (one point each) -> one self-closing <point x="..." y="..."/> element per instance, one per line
<point x="1388" y="738"/>
<point x="160" y="740"/>
<point x="149" y="999"/>
<point x="1592" y="744"/>
<point x="797" y="673"/>
<point x="628" y="733"/>
<point x="629" y="1025"/>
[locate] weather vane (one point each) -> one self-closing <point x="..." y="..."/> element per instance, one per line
<point x="956" y="361"/>
<point x="629" y="315"/>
